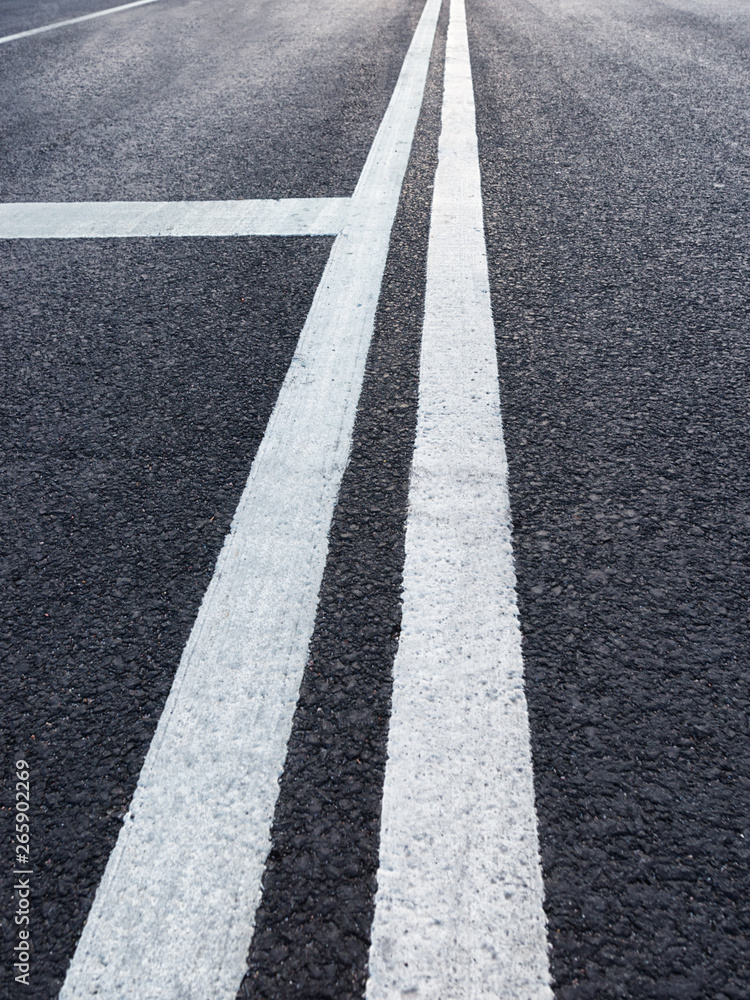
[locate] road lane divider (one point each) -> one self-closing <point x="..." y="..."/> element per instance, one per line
<point x="103" y="219"/>
<point x="173" y="916"/>
<point x="458" y="910"/>
<point x="73" y="20"/>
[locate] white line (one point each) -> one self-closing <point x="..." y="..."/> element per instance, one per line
<point x="87" y="219"/>
<point x="173" y="916"/>
<point x="459" y="911"/>
<point x="73" y="20"/>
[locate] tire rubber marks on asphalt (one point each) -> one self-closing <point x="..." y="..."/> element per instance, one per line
<point x="73" y="20"/>
<point x="173" y="916"/>
<point x="458" y="911"/>
<point x="259" y="217"/>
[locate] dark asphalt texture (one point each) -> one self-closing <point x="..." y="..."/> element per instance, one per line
<point x="188" y="99"/>
<point x="138" y="376"/>
<point x="614" y="150"/>
<point x="21" y="15"/>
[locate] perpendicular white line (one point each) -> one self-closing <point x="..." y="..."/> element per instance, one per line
<point x="458" y="910"/>
<point x="73" y="20"/>
<point x="173" y="916"/>
<point x="99" y="219"/>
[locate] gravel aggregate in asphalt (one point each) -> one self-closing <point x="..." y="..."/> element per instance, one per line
<point x="138" y="376"/>
<point x="20" y="15"/>
<point x="199" y="101"/>
<point x="615" y="208"/>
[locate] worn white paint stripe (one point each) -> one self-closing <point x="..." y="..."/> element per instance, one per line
<point x="173" y="916"/>
<point x="459" y="911"/>
<point x="87" y="219"/>
<point x="73" y="20"/>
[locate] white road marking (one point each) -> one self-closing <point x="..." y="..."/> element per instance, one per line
<point x="459" y="912"/>
<point x="73" y="20"/>
<point x="87" y="219"/>
<point x="173" y="916"/>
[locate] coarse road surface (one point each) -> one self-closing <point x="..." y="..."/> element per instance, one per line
<point x="239" y="455"/>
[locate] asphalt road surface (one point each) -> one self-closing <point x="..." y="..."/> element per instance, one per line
<point x="140" y="376"/>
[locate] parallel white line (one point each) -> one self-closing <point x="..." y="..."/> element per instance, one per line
<point x="459" y="912"/>
<point x="173" y="916"/>
<point x="73" y="20"/>
<point x="89" y="219"/>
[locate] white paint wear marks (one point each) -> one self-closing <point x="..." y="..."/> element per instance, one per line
<point x="459" y="911"/>
<point x="90" y="219"/>
<point x="73" y="20"/>
<point x="173" y="916"/>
